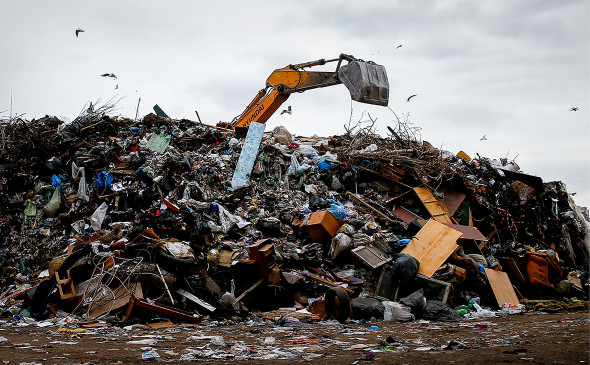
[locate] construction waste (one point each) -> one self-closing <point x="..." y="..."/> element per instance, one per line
<point x="107" y="218"/>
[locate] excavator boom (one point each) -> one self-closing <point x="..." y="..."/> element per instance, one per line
<point x="366" y="81"/>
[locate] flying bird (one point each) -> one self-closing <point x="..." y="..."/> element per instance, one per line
<point x="78" y="31"/>
<point x="109" y="75"/>
<point x="483" y="138"/>
<point x="399" y="46"/>
<point x="288" y="110"/>
<point x="574" y="109"/>
<point x="411" y="96"/>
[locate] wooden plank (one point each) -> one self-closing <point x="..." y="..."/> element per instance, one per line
<point x="502" y="287"/>
<point x="432" y="245"/>
<point x="249" y="290"/>
<point x="436" y="208"/>
<point x="324" y="281"/>
<point x="359" y="200"/>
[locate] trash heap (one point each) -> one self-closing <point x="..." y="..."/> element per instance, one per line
<point x="111" y="218"/>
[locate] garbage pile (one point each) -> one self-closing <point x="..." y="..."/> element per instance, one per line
<point x="109" y="217"/>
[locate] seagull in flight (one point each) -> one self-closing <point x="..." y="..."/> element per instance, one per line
<point x="483" y="138"/>
<point x="411" y="96"/>
<point x="399" y="46"/>
<point x="574" y="109"/>
<point x="109" y="75"/>
<point x="78" y="31"/>
<point x="288" y="110"/>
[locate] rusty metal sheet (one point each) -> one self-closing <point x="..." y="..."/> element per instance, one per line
<point x="453" y="200"/>
<point x="405" y="215"/>
<point x="468" y="233"/>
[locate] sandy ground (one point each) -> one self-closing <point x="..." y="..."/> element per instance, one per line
<point x="537" y="338"/>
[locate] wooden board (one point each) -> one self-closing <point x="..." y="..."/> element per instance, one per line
<point x="436" y="208"/>
<point x="502" y="287"/>
<point x="432" y="245"/>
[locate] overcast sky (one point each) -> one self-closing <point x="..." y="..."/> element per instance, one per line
<point x="507" y="69"/>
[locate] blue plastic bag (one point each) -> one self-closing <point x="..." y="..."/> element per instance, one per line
<point x="323" y="164"/>
<point x="103" y="181"/>
<point x="56" y="180"/>
<point x="337" y="209"/>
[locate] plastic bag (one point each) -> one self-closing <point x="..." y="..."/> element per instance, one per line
<point x="405" y="268"/>
<point x="103" y="181"/>
<point x="226" y="219"/>
<point x="415" y="301"/>
<point x="438" y="311"/>
<point x="370" y="148"/>
<point x="397" y="312"/>
<point x="340" y="243"/>
<point x="282" y="135"/>
<point x="82" y="186"/>
<point x="365" y="308"/>
<point x="31" y="209"/>
<point x="179" y="250"/>
<point x="56" y="180"/>
<point x="54" y="204"/>
<point x="306" y="150"/>
<point x="346" y="228"/>
<point x="335" y="184"/>
<point x="337" y="209"/>
<point x="98" y="216"/>
<point x="323" y="165"/>
<point x="294" y="166"/>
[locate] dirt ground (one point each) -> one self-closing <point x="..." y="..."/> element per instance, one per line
<point x="538" y="338"/>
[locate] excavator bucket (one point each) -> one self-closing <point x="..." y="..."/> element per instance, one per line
<point x="366" y="81"/>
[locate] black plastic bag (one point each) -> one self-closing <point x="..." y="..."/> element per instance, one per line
<point x="405" y="268"/>
<point x="365" y="308"/>
<point x="415" y="301"/>
<point x="438" y="311"/>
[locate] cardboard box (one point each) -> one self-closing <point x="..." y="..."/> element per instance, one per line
<point x="322" y="226"/>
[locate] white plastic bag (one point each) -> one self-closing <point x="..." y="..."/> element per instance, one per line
<point x="396" y="312"/>
<point x="226" y="219"/>
<point x="292" y="170"/>
<point x="340" y="243"/>
<point x="180" y="250"/>
<point x="98" y="216"/>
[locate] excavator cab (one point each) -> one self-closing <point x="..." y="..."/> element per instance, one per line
<point x="366" y="81"/>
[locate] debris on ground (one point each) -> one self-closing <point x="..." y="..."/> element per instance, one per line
<point x="142" y="222"/>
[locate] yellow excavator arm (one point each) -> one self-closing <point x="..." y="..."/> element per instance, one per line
<point x="366" y="81"/>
